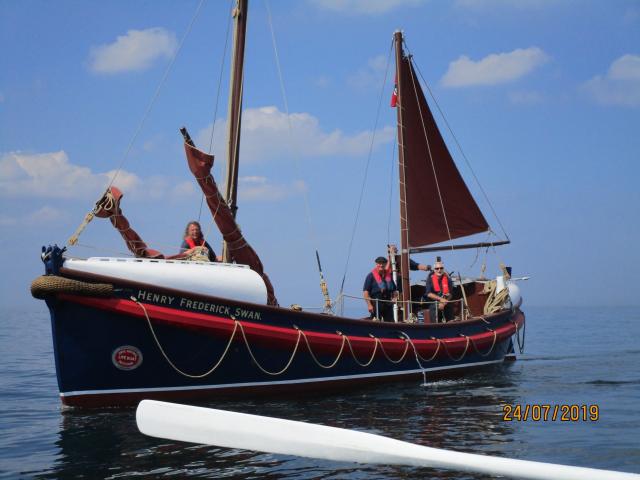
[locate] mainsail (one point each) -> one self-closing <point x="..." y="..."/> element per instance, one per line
<point x="200" y="164"/>
<point x="439" y="205"/>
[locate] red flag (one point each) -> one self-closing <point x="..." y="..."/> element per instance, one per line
<point x="394" y="95"/>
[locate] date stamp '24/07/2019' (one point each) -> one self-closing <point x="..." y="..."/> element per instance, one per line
<point x="540" y="412"/>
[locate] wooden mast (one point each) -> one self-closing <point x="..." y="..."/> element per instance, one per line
<point x="235" y="112"/>
<point x="404" y="228"/>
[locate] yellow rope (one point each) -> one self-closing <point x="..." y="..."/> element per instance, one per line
<point x="315" y="359"/>
<point x="495" y="337"/>
<point x="285" y="368"/>
<point x="166" y="357"/>
<point x="406" y="349"/>
<point x="375" y="349"/>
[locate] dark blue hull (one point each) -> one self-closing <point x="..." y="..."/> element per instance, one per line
<point x="116" y="351"/>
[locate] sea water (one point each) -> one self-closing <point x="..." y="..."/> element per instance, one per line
<point x="573" y="356"/>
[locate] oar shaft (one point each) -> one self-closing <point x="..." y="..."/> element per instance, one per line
<point x="265" y="434"/>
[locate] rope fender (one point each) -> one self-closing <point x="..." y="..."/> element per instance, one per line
<point x="50" y="285"/>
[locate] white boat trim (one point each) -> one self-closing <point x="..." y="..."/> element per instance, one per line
<point x="281" y="382"/>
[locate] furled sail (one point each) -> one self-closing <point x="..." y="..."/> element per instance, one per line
<point x="109" y="207"/>
<point x="439" y="204"/>
<point x="200" y="164"/>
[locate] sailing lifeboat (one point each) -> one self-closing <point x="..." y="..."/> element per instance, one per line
<point x="162" y="327"/>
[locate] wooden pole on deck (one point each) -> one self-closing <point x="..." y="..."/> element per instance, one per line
<point x="404" y="228"/>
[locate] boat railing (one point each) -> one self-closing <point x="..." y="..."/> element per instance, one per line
<point x="416" y="307"/>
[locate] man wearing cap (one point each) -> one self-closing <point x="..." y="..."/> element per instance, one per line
<point x="379" y="291"/>
<point x="438" y="292"/>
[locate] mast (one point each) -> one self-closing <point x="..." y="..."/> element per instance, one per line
<point x="235" y="111"/>
<point x="404" y="227"/>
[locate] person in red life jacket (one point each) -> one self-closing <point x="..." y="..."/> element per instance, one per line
<point x="380" y="291"/>
<point x="438" y="292"/>
<point x="193" y="238"/>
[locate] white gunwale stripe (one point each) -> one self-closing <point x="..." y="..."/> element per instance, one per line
<point x="281" y="382"/>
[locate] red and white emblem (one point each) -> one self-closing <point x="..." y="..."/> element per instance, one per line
<point x="126" y="357"/>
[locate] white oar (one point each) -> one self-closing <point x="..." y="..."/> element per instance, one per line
<point x="265" y="434"/>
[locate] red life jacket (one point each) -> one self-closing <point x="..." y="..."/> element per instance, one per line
<point x="192" y="243"/>
<point x="383" y="285"/>
<point x="436" y="285"/>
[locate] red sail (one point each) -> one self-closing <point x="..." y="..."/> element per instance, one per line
<point x="200" y="164"/>
<point x="431" y="174"/>
<point x="109" y="207"/>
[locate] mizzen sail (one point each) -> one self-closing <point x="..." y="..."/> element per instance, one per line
<point x="439" y="205"/>
<point x="200" y="164"/>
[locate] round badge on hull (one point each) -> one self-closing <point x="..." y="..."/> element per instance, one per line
<point x="126" y="357"/>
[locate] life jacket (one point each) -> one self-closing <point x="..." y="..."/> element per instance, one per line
<point x="384" y="285"/>
<point x="192" y="243"/>
<point x="436" y="285"/>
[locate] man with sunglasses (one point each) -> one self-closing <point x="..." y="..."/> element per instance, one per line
<point x="438" y="293"/>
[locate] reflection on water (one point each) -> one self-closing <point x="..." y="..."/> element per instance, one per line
<point x="458" y="414"/>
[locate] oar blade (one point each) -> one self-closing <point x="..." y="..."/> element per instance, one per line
<point x="275" y="435"/>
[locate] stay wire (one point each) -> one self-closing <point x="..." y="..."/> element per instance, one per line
<point x="433" y="165"/>
<point x="393" y="164"/>
<point x="155" y="95"/>
<point x="464" y="156"/>
<point x="215" y="110"/>
<point x="366" y="172"/>
<point x="289" y="126"/>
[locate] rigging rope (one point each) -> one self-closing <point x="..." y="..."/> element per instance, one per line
<point x="433" y="166"/>
<point x="157" y="92"/>
<point x="74" y="238"/>
<point x="215" y="110"/>
<point x="455" y="139"/>
<point x="366" y="171"/>
<point x="305" y="195"/>
<point x="393" y="164"/>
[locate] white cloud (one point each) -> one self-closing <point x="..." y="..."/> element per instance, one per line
<point x="7" y="221"/>
<point x="493" y="4"/>
<point x="262" y="189"/>
<point x="632" y="15"/>
<point x="525" y="97"/>
<point x="52" y="175"/>
<point x="135" y="51"/>
<point x="371" y="76"/>
<point x="44" y="215"/>
<point x="620" y="85"/>
<point x="183" y="189"/>
<point x="322" y="81"/>
<point x="494" y="69"/>
<point x="266" y="135"/>
<point x="368" y="7"/>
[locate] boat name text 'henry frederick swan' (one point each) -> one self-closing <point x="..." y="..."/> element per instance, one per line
<point x="198" y="306"/>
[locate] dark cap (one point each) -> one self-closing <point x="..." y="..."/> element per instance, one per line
<point x="381" y="260"/>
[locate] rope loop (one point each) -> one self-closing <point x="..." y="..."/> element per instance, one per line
<point x="406" y="349"/>
<point x="166" y="357"/>
<point x="315" y="359"/>
<point x="466" y="348"/>
<point x="355" y="358"/>
<point x="262" y="369"/>
<point x="493" y="344"/>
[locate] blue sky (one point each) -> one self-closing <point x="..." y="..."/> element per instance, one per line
<point x="543" y="95"/>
